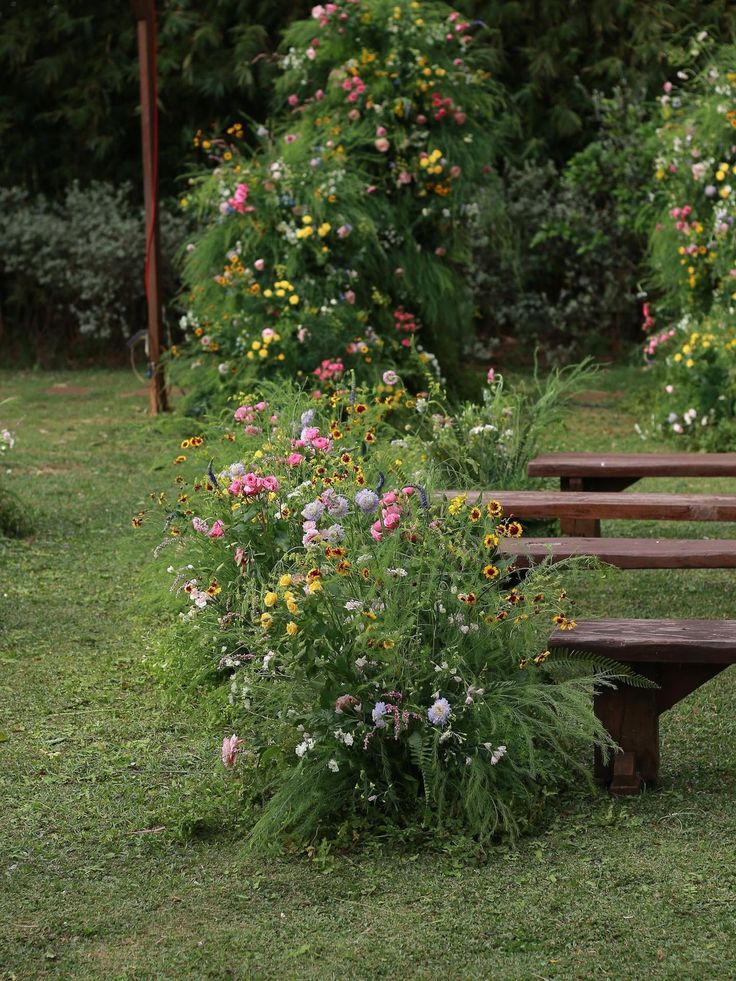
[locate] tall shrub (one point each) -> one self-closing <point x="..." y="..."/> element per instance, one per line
<point x="344" y="235"/>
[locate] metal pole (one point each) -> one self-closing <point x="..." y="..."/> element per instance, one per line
<point x="145" y="14"/>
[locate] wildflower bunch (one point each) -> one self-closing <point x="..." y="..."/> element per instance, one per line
<point x="341" y="238"/>
<point x="379" y="658"/>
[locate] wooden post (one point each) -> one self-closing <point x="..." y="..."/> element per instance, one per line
<point x="145" y="15"/>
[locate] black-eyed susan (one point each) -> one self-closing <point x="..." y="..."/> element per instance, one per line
<point x="490" y="571"/>
<point x="180" y="459"/>
<point x="512" y="529"/>
<point x="490" y="541"/>
<point x="474" y="514"/>
<point x="494" y="509"/>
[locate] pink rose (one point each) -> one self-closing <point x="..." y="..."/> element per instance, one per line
<point x="322" y="443"/>
<point x="294" y="459"/>
<point x="217" y="530"/>
<point x="260" y="264"/>
<point x="382" y="144"/>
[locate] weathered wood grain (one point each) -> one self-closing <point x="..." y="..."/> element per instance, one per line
<point x="626" y="553"/>
<point x="634" y="465"/>
<point x="609" y="506"/>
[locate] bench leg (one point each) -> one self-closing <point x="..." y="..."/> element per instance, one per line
<point x="631" y="716"/>
<point x="578" y="527"/>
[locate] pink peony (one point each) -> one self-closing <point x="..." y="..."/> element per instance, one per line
<point x="294" y="459"/>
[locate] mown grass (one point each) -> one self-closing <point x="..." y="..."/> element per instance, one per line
<point x="120" y="858"/>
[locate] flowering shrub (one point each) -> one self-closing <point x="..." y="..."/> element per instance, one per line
<point x="340" y="239"/>
<point x="379" y="660"/>
<point x="693" y="254"/>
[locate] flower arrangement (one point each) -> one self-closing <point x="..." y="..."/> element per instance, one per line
<point x="378" y="661"/>
<point x="693" y="255"/>
<point x="341" y="238"/>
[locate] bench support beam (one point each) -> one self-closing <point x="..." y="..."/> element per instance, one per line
<point x="589" y="527"/>
<point x="631" y="716"/>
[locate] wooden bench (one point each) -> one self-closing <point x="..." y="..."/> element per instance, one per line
<point x="625" y="553"/>
<point x="678" y="655"/>
<point x="612" y="472"/>
<point x="587" y="505"/>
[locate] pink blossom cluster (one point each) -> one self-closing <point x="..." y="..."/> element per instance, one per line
<point x="681" y="215"/>
<point x="657" y="339"/>
<point x="649" y="321"/>
<point x="249" y="414"/>
<point x="329" y="369"/>
<point x="216" y="531"/>
<point x="238" y="200"/>
<point x="443" y="107"/>
<point x="391" y="511"/>
<point x="310" y="437"/>
<point x="250" y="485"/>
<point x="460" y="26"/>
<point x="354" y="86"/>
<point x="406" y="323"/>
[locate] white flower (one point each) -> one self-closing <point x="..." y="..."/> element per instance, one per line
<point x="333" y="765"/>
<point x="304" y="746"/>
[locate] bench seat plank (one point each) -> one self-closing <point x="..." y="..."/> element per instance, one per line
<point x="661" y="641"/>
<point x="634" y="465"/>
<point x="626" y="553"/>
<point x="592" y="504"/>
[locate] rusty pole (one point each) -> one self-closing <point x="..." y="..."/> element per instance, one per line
<point x="145" y="15"/>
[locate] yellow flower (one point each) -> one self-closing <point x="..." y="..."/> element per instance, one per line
<point x="266" y="620"/>
<point x="456" y="504"/>
<point x="270" y="599"/>
<point x="292" y="629"/>
<point x="291" y="606"/>
<point x="293" y="299"/>
<point x="315" y="586"/>
<point x="285" y="581"/>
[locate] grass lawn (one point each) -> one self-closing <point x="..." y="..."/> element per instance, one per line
<point x="100" y="772"/>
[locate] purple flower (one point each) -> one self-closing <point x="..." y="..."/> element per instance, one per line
<point x="367" y="500"/>
<point x="335" y="533"/>
<point x="337" y="506"/>
<point x="439" y="712"/>
<point x="201" y="526"/>
<point x="379" y="710"/>
<point x="313" y="511"/>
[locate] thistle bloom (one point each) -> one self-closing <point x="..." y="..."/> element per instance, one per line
<point x="439" y="712"/>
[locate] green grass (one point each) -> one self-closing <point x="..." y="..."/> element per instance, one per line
<point x="118" y="860"/>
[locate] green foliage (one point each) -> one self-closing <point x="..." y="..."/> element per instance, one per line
<point x="346" y="232"/>
<point x="73" y="268"/>
<point x="487" y="444"/>
<point x="552" y="55"/>
<point x="564" y="270"/>
<point x="76" y="69"/>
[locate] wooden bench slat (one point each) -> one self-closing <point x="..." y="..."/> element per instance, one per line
<point x="627" y="553"/>
<point x="592" y="504"/>
<point x="662" y="641"/>
<point x="636" y="465"/>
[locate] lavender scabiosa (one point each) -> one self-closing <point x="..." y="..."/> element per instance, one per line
<point x="439" y="712"/>
<point x="366" y="500"/>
